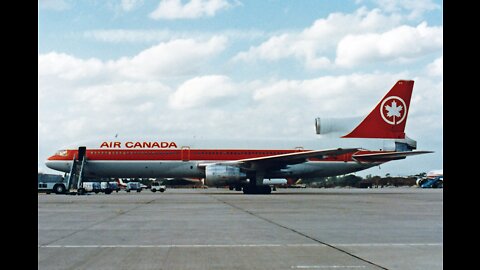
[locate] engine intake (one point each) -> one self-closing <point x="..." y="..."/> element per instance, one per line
<point x="327" y="125"/>
<point x="220" y="175"/>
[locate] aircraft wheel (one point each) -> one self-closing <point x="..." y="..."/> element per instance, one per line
<point x="267" y="189"/>
<point x="59" y="189"/>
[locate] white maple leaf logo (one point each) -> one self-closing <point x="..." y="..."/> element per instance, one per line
<point x="393" y="114"/>
<point x="394" y="110"/>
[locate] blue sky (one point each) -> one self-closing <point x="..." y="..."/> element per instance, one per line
<point x="270" y="67"/>
<point x="63" y="30"/>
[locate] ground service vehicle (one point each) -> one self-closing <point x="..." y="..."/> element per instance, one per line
<point x="91" y="186"/>
<point x="156" y="186"/>
<point x="133" y="186"/>
<point x="114" y="186"/>
<point x="51" y="183"/>
<point x="98" y="187"/>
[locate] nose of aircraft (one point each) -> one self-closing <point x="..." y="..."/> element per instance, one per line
<point x="50" y="163"/>
<point x="54" y="163"/>
<point x="57" y="165"/>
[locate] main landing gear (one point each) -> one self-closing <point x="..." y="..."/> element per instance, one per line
<point x="255" y="184"/>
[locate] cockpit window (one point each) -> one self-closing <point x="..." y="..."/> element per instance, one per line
<point x="61" y="153"/>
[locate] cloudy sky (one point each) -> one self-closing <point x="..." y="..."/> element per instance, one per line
<point x="235" y="68"/>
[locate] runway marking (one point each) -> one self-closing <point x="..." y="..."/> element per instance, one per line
<point x="326" y="266"/>
<point x="179" y="246"/>
<point x="387" y="244"/>
<point x="241" y="245"/>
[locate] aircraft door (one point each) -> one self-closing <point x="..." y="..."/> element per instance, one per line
<point x="185" y="153"/>
<point x="82" y="150"/>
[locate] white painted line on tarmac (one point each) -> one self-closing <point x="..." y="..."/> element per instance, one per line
<point x="243" y="245"/>
<point x="180" y="246"/>
<point x="326" y="266"/>
<point x="387" y="244"/>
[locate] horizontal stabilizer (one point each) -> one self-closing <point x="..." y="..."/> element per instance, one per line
<point x="384" y="157"/>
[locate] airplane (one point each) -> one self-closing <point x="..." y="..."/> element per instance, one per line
<point x="245" y="164"/>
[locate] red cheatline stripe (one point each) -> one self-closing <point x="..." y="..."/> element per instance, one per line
<point x="186" y="154"/>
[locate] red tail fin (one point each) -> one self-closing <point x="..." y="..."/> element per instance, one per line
<point x="389" y="117"/>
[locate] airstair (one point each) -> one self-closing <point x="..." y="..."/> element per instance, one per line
<point x="75" y="177"/>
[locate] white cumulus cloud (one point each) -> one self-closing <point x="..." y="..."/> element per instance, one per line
<point x="68" y="67"/>
<point x="126" y="94"/>
<point x="329" y="95"/>
<point x="174" y="9"/>
<point x="177" y="57"/>
<point x="121" y="96"/>
<point x="314" y="44"/>
<point x="401" y="43"/>
<point x="202" y="91"/>
<point x="173" y="58"/>
<point x="436" y="67"/>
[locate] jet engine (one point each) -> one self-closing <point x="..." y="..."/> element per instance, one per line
<point x="220" y="175"/>
<point x="327" y="125"/>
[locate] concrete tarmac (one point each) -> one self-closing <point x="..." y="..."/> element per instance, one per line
<point x="389" y="228"/>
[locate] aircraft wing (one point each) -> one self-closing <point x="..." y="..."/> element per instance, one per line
<point x="384" y="157"/>
<point x="284" y="159"/>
